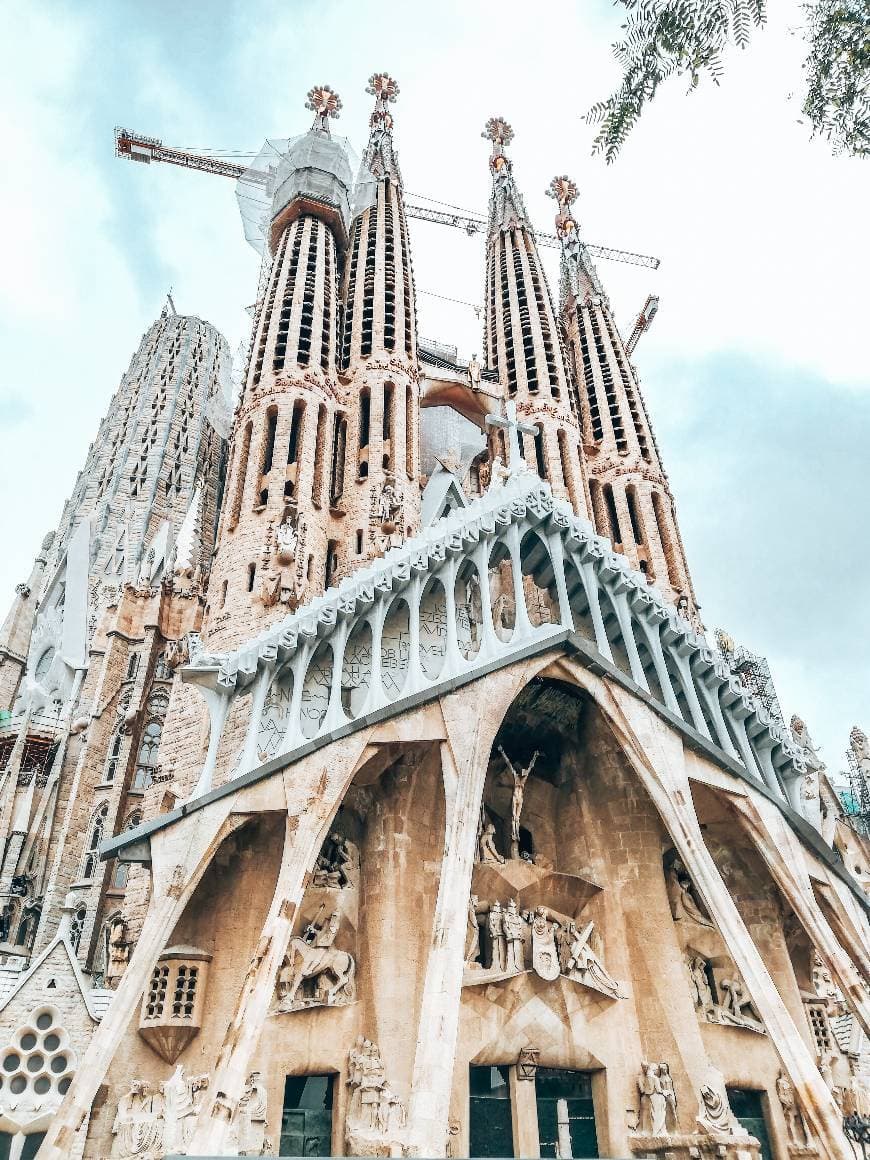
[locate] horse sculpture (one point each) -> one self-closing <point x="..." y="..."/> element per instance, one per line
<point x="304" y="961"/>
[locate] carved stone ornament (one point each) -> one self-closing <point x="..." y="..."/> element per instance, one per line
<point x="527" y="1062"/>
<point x="248" y="1130"/>
<point x="151" y="1123"/>
<point x="314" y="972"/>
<point x="658" y="1100"/>
<point x="681" y="892"/>
<point x="797" y="1134"/>
<point x="714" y="1112"/>
<point x="337" y="865"/>
<point x="375" y="1116"/>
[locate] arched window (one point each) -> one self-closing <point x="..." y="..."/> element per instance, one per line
<point x="95" y="836"/>
<point x="121" y="870"/>
<point x="146" y="760"/>
<point x="114" y="758"/>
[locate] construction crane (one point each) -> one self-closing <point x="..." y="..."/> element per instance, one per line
<point x="137" y="147"/>
<point x="643" y="321"/>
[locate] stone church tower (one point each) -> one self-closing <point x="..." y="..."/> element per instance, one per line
<point x="464" y="839"/>
<point x="88" y="653"/>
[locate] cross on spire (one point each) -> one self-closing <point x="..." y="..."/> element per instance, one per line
<point x="513" y="426"/>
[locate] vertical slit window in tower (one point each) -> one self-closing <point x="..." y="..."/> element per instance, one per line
<point x="517" y="242"/>
<point x="506" y="317"/>
<point x="588" y="376"/>
<point x="339" y="449"/>
<point x="612" y="517"/>
<point x="277" y="266"/>
<point x="571" y="373"/>
<point x="241" y="472"/>
<point x="540" y="453"/>
<point x="351" y="295"/>
<point x="306" y="318"/>
<point x="634" y="515"/>
<point x="409" y="431"/>
<point x="364" y="416"/>
<point x="269" y="441"/>
<point x="287" y="300"/>
<point x="543" y="302"/>
<point x="490" y="356"/>
<point x="637" y="418"/>
<point x="667" y="542"/>
<point x="326" y="341"/>
<point x="408" y="278"/>
<point x="331" y="562"/>
<point x="296" y="417"/>
<point x="368" y="317"/>
<point x="319" y="456"/>
<point x="262" y="497"/>
<point x="389" y="270"/>
<point x="389" y="393"/>
<point x="565" y="462"/>
<point x="609" y="385"/>
<point x="252" y="572"/>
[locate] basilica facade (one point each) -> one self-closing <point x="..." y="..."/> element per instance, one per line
<point x="370" y="784"/>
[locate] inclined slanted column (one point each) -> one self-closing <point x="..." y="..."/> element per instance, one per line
<point x="522" y="339"/>
<point x="631" y="500"/>
<point x="381" y="495"/>
<point x="277" y="525"/>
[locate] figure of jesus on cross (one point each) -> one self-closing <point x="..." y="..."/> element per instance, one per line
<point x="513" y="426"/>
<point x="520" y="777"/>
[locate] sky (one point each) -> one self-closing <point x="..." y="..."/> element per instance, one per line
<point x="754" y="371"/>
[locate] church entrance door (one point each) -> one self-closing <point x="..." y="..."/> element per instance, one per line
<point x="564" y="1100"/>
<point x="306" y="1123"/>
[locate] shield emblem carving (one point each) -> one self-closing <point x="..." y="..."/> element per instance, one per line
<point x="545" y="957"/>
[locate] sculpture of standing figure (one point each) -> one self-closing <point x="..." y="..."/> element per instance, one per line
<point x="700" y="983"/>
<point x="653" y="1102"/>
<point x="683" y="904"/>
<point x="495" y="926"/>
<point x="785" y="1092"/>
<point x="472" y="941"/>
<point x="514" y="933"/>
<point x="520" y="777"/>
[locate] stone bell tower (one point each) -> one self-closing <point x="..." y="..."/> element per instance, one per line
<point x="522" y="340"/>
<point x="381" y="494"/>
<point x="287" y="444"/>
<point x="631" y="500"/>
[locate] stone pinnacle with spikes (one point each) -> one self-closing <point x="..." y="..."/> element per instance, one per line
<point x="499" y="132"/>
<point x="564" y="190"/>
<point x="385" y="90"/>
<point x="324" y="102"/>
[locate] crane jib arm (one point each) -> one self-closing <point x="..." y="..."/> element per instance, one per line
<point x="138" y="147"/>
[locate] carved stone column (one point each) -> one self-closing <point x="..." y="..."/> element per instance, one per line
<point x="306" y="826"/>
<point x="465" y="756"/>
<point x="656" y="754"/>
<point x="180" y="857"/>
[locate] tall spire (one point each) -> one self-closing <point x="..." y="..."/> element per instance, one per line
<point x="380" y="157"/>
<point x="631" y="500"/>
<point x="578" y="274"/>
<point x="522" y="340"/>
<point x="506" y="209"/>
<point x="324" y="102"/>
<point x="380" y="495"/>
